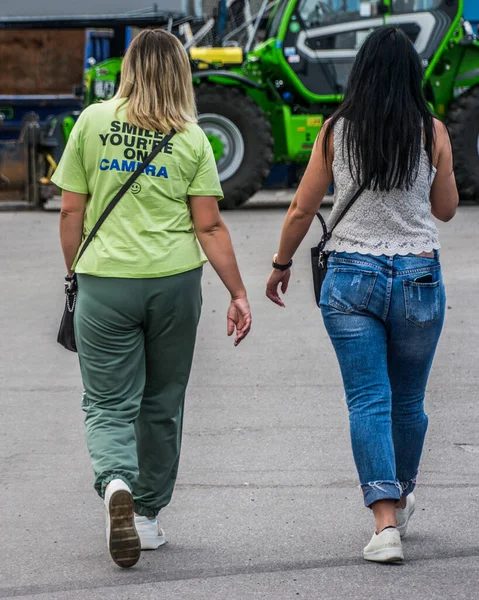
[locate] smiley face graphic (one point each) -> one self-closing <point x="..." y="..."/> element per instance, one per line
<point x="135" y="188"/>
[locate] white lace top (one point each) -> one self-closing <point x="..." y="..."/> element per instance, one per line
<point x="395" y="222"/>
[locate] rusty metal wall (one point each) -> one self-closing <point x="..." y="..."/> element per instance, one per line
<point x="41" y="61"/>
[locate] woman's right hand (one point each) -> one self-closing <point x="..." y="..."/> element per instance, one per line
<point x="239" y="317"/>
<point x="215" y="240"/>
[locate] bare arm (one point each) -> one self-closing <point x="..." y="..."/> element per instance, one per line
<point x="306" y="202"/>
<point x="71" y="225"/>
<point x="215" y="240"/>
<point x="444" y="196"/>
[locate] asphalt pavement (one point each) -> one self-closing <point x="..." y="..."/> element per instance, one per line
<point x="267" y="503"/>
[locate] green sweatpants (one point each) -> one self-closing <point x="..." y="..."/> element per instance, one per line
<point x="135" y="340"/>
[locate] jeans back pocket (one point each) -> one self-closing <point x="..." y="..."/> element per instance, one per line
<point x="350" y="289"/>
<point x="423" y="302"/>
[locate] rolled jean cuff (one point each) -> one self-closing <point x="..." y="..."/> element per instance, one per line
<point x="381" y="490"/>
<point x="408" y="486"/>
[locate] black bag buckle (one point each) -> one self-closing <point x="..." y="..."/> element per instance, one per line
<point x="71" y="284"/>
<point x="322" y="260"/>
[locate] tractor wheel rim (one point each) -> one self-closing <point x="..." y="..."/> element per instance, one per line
<point x="226" y="141"/>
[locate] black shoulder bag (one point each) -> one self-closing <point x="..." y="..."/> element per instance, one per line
<point x="319" y="258"/>
<point x="66" y="333"/>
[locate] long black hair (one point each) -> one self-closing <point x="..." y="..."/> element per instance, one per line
<point x="387" y="120"/>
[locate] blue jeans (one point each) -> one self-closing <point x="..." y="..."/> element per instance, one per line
<point x="384" y="327"/>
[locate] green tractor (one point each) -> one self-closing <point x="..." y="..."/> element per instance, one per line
<point x="266" y="105"/>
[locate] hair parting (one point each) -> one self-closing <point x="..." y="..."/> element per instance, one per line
<point x="156" y="83"/>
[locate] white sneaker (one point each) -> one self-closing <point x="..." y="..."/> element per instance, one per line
<point x="385" y="546"/>
<point x="121" y="535"/>
<point x="404" y="514"/>
<point x="151" y="536"/>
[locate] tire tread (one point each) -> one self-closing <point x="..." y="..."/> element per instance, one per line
<point x="462" y="115"/>
<point x="237" y="194"/>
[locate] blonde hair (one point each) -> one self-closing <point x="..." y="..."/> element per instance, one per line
<point x="156" y="83"/>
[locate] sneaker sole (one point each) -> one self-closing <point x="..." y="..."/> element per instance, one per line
<point x="385" y="555"/>
<point x="124" y="543"/>
<point x="403" y="528"/>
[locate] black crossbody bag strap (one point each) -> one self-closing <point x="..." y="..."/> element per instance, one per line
<point x="122" y="191"/>
<point x="327" y="234"/>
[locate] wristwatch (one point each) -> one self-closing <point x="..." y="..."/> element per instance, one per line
<point x="281" y="267"/>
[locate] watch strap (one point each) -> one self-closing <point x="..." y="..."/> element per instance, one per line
<point x="280" y="267"/>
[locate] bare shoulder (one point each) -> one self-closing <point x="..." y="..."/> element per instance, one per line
<point x="326" y="130"/>
<point x="441" y="140"/>
<point x="326" y="127"/>
<point x="440" y="133"/>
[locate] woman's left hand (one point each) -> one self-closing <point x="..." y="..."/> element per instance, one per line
<point x="274" y="280"/>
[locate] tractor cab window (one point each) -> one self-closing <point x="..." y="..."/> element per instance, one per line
<point x="317" y="13"/>
<point x="425" y="22"/>
<point x="323" y="38"/>
<point x="409" y="6"/>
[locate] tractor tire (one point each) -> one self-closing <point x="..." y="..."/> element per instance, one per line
<point x="240" y="135"/>
<point x="463" y="125"/>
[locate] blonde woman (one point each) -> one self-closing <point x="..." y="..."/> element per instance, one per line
<point x="139" y="281"/>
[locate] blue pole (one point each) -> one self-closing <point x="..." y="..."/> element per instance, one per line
<point x="222" y="17"/>
<point x="471" y="12"/>
<point x="88" y="47"/>
<point x="128" y="37"/>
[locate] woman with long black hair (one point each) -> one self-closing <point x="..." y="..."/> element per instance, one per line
<point x="383" y="299"/>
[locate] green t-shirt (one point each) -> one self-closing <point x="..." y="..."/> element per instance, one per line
<point x="150" y="232"/>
